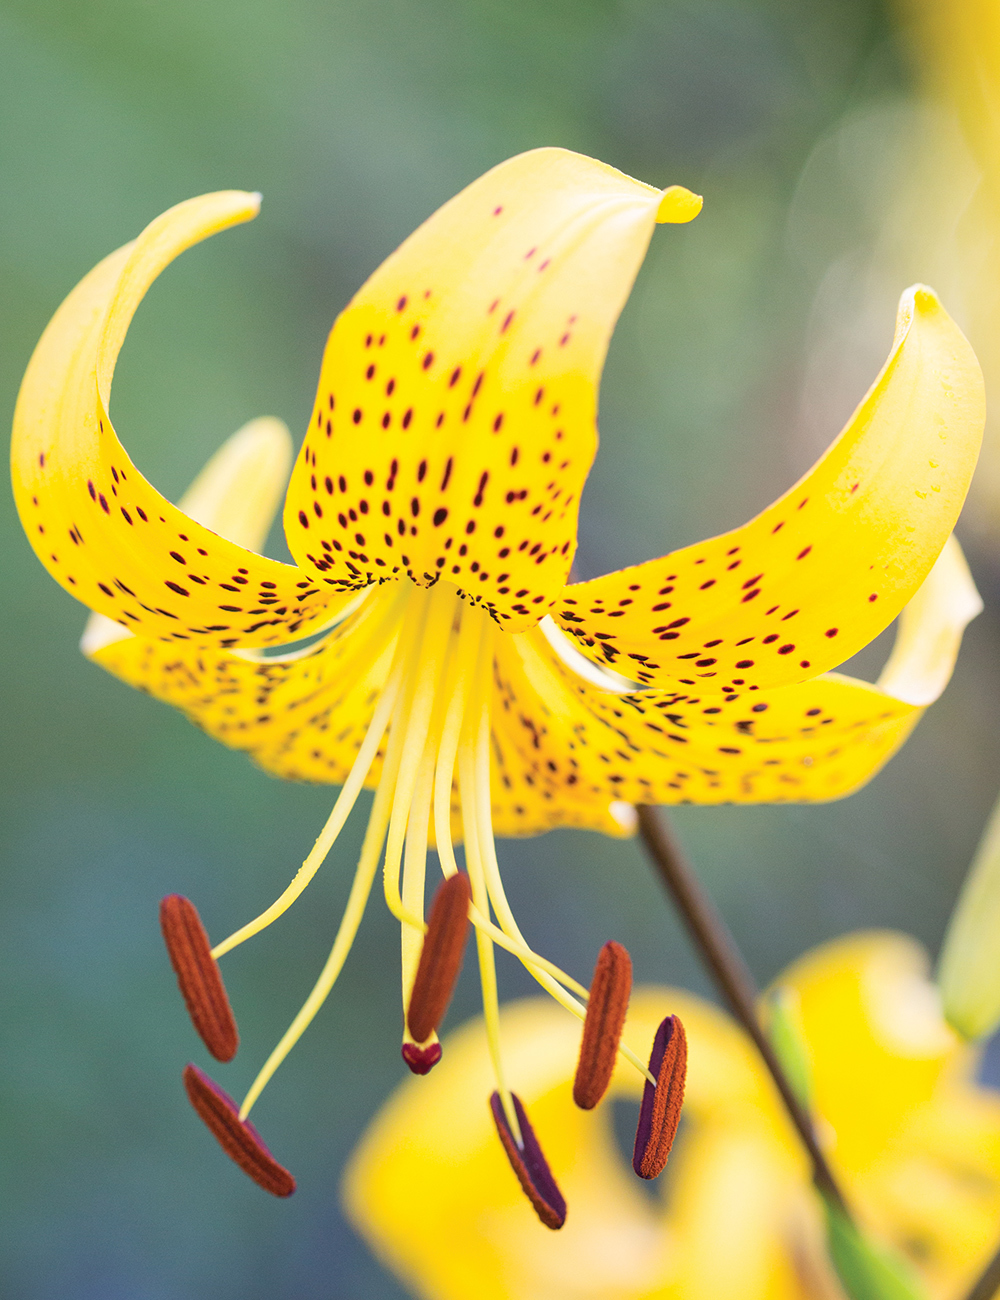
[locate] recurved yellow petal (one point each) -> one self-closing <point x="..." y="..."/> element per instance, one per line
<point x="238" y="492"/>
<point x="301" y="715"/>
<point x="236" y="495"/>
<point x="813" y="741"/>
<point x="821" y="572"/>
<point x="930" y="630"/>
<point x="969" y="973"/>
<point x="97" y="525"/>
<point x="455" y="418"/>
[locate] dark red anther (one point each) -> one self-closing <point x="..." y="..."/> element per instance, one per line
<point x="238" y="1138"/>
<point x="530" y="1165"/>
<point x="440" y="957"/>
<point x="421" y="1060"/>
<point x="198" y="976"/>
<point x="660" y="1112"/>
<point x="602" y="1028"/>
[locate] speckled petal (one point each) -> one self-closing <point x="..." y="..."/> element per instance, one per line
<point x="455" y="418"/>
<point x="812" y="741"/>
<point x="820" y="573"/>
<point x="100" y="529"/>
<point x="521" y="804"/>
<point x="301" y="716"/>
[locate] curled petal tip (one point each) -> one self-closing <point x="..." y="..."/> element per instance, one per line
<point x="238" y="1138"/>
<point x="924" y="296"/>
<point x="624" y="816"/>
<point x="421" y="1060"/>
<point x="678" y="206"/>
<point x="530" y="1165"/>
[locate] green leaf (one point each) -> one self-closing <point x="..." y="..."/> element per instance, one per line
<point x="969" y="972"/>
<point x="867" y="1270"/>
<point x="787" y="1035"/>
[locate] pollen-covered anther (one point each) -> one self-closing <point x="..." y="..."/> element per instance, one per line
<point x="530" y="1165"/>
<point x="660" y="1111"/>
<point x="440" y="958"/>
<point x="238" y="1138"/>
<point x="198" y="976"/>
<point x="421" y="1058"/>
<point x="602" y="1028"/>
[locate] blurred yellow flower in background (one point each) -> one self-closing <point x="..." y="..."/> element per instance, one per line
<point x="946" y="216"/>
<point x="914" y="1138"/>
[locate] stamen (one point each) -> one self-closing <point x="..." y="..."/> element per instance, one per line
<point x="458" y="686"/>
<point x="239" y="1139"/>
<point x="415" y="871"/>
<point x="440" y="957"/>
<point x="389" y="620"/>
<point x="660" y="1112"/>
<point x="602" y="1029"/>
<point x="410" y="725"/>
<point x="477" y="877"/>
<point x="550" y="978"/>
<point x="364" y="877"/>
<point x="198" y="976"/>
<point x="421" y="1060"/>
<point x="530" y="1165"/>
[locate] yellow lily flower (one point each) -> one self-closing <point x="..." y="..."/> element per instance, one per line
<point x="432" y="516"/>
<point x="914" y="1138"/>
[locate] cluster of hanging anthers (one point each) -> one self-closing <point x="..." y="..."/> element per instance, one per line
<point x="434" y="720"/>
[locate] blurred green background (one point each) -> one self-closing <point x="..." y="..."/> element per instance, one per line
<point x="750" y="336"/>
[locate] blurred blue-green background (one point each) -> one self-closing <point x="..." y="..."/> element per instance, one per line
<point x="750" y="336"/>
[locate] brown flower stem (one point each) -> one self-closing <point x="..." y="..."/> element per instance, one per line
<point x="987" y="1285"/>
<point x="725" y="962"/>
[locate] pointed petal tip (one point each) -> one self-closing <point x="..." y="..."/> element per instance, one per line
<point x="923" y="296"/>
<point x="421" y="1060"/>
<point x="678" y="206"/>
<point x="624" y="816"/>
<point x="919" y="300"/>
<point x="238" y="1138"/>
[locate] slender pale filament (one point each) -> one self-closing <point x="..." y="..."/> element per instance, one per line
<point x="383" y="630"/>
<point x="433" y="720"/>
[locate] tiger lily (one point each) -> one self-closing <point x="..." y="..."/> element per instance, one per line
<point x="914" y="1138"/>
<point x="432" y="514"/>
